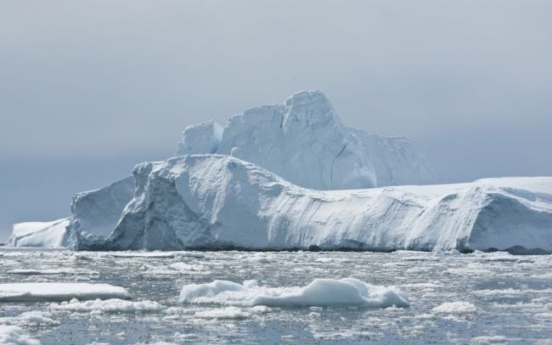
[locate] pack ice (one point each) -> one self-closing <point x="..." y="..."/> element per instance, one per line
<point x="219" y="201"/>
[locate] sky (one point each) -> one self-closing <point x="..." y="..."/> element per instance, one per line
<point x="90" y="88"/>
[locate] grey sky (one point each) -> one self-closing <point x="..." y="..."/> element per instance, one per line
<point x="87" y="89"/>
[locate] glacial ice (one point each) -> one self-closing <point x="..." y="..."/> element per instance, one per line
<point x="214" y="201"/>
<point x="304" y="141"/>
<point x="347" y="292"/>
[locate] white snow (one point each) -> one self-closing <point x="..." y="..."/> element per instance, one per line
<point x="348" y="292"/>
<point x="455" y="308"/>
<point x="32" y="292"/>
<point x="213" y="201"/>
<point x="40" y="234"/>
<point x="304" y="141"/>
<point x="107" y="306"/>
<point x="13" y="335"/>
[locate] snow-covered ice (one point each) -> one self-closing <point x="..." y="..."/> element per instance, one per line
<point x="214" y="201"/>
<point x="347" y="292"/>
<point x="33" y="292"/>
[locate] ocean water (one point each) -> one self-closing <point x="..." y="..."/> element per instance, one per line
<point x="479" y="298"/>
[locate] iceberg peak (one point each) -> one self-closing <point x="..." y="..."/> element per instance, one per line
<point x="304" y="141"/>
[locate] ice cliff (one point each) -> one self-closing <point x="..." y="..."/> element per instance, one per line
<point x="214" y="201"/>
<point x="304" y="141"/>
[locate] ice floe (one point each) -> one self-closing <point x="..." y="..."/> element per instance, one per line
<point x="348" y="292"/>
<point x="33" y="292"/>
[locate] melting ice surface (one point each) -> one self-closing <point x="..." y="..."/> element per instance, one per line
<point x="284" y="297"/>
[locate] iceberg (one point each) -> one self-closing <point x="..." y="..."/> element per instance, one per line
<point x="221" y="202"/>
<point x="304" y="141"/>
<point x="293" y="176"/>
<point x="40" y="234"/>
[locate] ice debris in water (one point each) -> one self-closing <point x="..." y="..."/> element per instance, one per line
<point x="107" y="306"/>
<point x="13" y="335"/>
<point x="347" y="292"/>
<point x="456" y="308"/>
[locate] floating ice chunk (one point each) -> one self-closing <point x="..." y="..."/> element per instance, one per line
<point x="13" y="335"/>
<point x="320" y="292"/>
<point x="455" y="308"/>
<point x="33" y="292"/>
<point x="107" y="306"/>
<point x="489" y="340"/>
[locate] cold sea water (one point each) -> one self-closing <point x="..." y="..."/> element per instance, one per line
<point x="479" y="298"/>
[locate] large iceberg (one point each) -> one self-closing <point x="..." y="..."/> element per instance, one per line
<point x="304" y="141"/>
<point x="219" y="201"/>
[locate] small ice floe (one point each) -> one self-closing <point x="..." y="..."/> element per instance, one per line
<point x="348" y="292"/>
<point x="455" y="308"/>
<point x="34" y="292"/>
<point x="14" y="335"/>
<point x="489" y="340"/>
<point x="107" y="306"/>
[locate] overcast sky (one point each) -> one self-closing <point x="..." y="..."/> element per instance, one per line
<point x="88" y="89"/>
